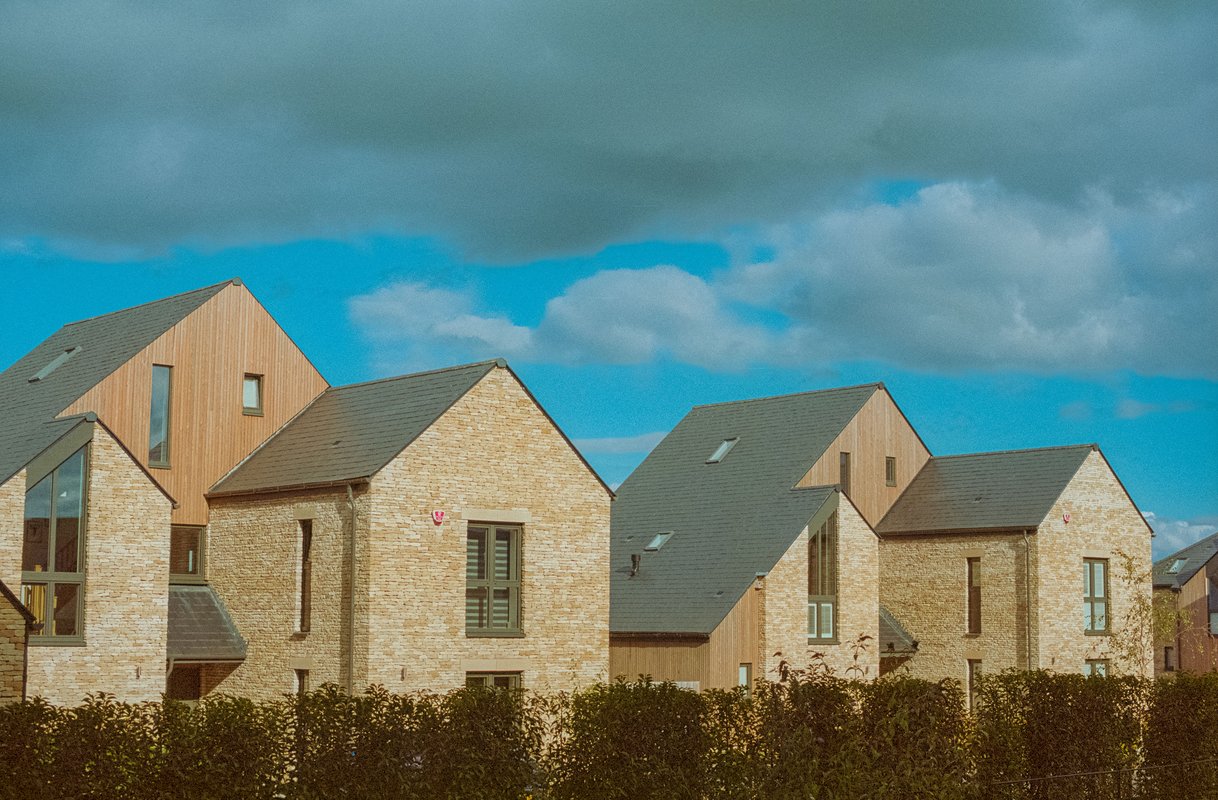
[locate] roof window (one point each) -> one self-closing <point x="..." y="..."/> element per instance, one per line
<point x="1176" y="566"/>
<point x="55" y="363"/>
<point x="722" y="450"/>
<point x="658" y="541"/>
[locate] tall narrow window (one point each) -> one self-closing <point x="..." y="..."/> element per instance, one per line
<point x="1169" y="659"/>
<point x="186" y="554"/>
<point x="251" y="395"/>
<point x="890" y="471"/>
<point x="1096" y="610"/>
<point x="492" y="580"/>
<point x="822" y="582"/>
<point x="974" y="595"/>
<point x="302" y="681"/>
<point x="306" y="575"/>
<point x="1213" y="603"/>
<point x="974" y="672"/>
<point x="52" y="575"/>
<point x="843" y="461"/>
<point x="744" y="679"/>
<point x="158" y="419"/>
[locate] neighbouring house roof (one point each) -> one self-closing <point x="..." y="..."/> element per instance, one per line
<point x="28" y="408"/>
<point x="894" y="639"/>
<point x="8" y="595"/>
<point x="1194" y="558"/>
<point x="200" y="628"/>
<point x="730" y="520"/>
<point x="349" y="433"/>
<point x="1006" y="490"/>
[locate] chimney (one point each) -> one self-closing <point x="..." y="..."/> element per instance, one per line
<point x="636" y="559"/>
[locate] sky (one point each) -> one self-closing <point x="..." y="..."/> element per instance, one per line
<point x="1008" y="213"/>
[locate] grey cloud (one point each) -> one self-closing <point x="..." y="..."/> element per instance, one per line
<point x="1172" y="535"/>
<point x="526" y="129"/>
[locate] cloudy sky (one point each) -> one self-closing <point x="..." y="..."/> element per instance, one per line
<point x="1007" y="212"/>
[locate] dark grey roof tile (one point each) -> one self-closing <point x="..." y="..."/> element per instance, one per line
<point x="1194" y="558"/>
<point x="200" y="628"/>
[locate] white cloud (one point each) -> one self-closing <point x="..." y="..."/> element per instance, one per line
<point x="642" y="443"/>
<point x="1172" y="535"/>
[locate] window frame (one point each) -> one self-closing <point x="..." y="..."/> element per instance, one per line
<point x="1169" y="658"/>
<point x="722" y="450"/>
<point x="824" y="550"/>
<point x="186" y="577"/>
<point x="49" y="580"/>
<point x="514" y="586"/>
<point x="972" y="603"/>
<point x="164" y="462"/>
<point x="890" y="471"/>
<point x="304" y="577"/>
<point x="973" y="670"/>
<point x="844" y="471"/>
<point x="488" y="679"/>
<point x="1091" y="599"/>
<point x="260" y="380"/>
<point x="1090" y="666"/>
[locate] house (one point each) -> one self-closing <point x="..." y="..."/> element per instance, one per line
<point x="421" y="532"/>
<point x="1017" y="559"/>
<point x="745" y="539"/>
<point x="1188" y="581"/>
<point x="16" y="624"/>
<point x="110" y="432"/>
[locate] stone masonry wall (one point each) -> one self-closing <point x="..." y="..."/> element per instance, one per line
<point x="785" y="629"/>
<point x="923" y="582"/>
<point x="1103" y="523"/>
<point x="12" y="651"/>
<point x="126" y="606"/>
<point x="254" y="565"/>
<point x="496" y="451"/>
<point x="12" y="527"/>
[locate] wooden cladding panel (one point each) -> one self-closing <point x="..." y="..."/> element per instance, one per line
<point x="879" y="430"/>
<point x="663" y="660"/>
<point x="735" y="642"/>
<point x="1198" y="649"/>
<point x="211" y="350"/>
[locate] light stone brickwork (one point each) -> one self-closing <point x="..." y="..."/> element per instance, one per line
<point x="493" y="453"/>
<point x="12" y="525"/>
<point x="785" y="627"/>
<point x="12" y="651"/>
<point x="254" y="565"/>
<point x="923" y="582"/>
<point x="126" y="607"/>
<point x="1103" y="523"/>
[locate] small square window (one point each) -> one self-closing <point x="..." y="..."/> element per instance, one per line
<point x="722" y="450"/>
<point x="1096" y="667"/>
<point x="251" y="395"/>
<point x="658" y="541"/>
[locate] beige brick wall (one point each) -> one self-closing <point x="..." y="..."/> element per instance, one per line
<point x="12" y="651"/>
<point x="923" y="582"/>
<point x="125" y="614"/>
<point x="785" y="629"/>
<point x="12" y="526"/>
<point x="254" y="565"/>
<point x="493" y="450"/>
<point x="1103" y="522"/>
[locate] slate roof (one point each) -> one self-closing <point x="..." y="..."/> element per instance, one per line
<point x="730" y="520"/>
<point x="894" y="639"/>
<point x="8" y="595"/>
<point x="200" y="628"/>
<point x="27" y="410"/>
<point x="1195" y="556"/>
<point x="351" y="432"/>
<point x="1006" y="490"/>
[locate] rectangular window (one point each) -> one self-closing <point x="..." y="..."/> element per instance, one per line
<point x="822" y="582"/>
<point x="744" y="679"/>
<point x="158" y="418"/>
<point x="1097" y="667"/>
<point x="251" y="395"/>
<point x="890" y="471"/>
<point x="843" y="462"/>
<point x="302" y="681"/>
<point x="1213" y="603"/>
<point x="973" y="579"/>
<point x="52" y="578"/>
<point x="974" y="672"/>
<point x="492" y="580"/>
<point x="721" y="451"/>
<point x="1096" y="605"/>
<point x="493" y="680"/>
<point x="306" y="575"/>
<point x="186" y="554"/>
<point x="185" y="683"/>
<point x="1169" y="659"/>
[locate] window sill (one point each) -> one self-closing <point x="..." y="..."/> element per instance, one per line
<point x="158" y="466"/>
<point x="57" y="641"/>
<point x="187" y="580"/>
<point x="968" y="635"/>
<point x="813" y="640"/>
<point x="1098" y="633"/>
<point x="251" y="412"/>
<point x="493" y="634"/>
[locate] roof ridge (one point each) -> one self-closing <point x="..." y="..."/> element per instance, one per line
<point x="499" y="362"/>
<point x="233" y="281"/>
<point x="875" y="385"/>
<point x="1088" y="445"/>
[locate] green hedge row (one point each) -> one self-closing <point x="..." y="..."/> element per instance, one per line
<point x="1035" y="735"/>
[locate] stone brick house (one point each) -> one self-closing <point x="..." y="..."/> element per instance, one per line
<point x="110" y="432"/>
<point x="745" y="538"/>
<point x="420" y="532"/>
<point x="1187" y="581"/>
<point x="16" y="624"/>
<point x="1014" y="560"/>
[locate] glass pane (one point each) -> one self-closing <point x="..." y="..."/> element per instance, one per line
<point x="251" y="392"/>
<point x="826" y="620"/>
<point x="67" y="609"/>
<point x="475" y="608"/>
<point x="1097" y="580"/>
<point x="184" y="550"/>
<point x="475" y="554"/>
<point x="503" y="555"/>
<point x="1101" y="669"/>
<point x="1101" y="616"/>
<point x="812" y="630"/>
<point x="1086" y="615"/>
<point x="34" y="597"/>
<point x="1086" y="579"/>
<point x="34" y="547"/>
<point x="504" y="681"/>
<point x="158" y="420"/>
<point x="501" y="609"/>
<point x="477" y="680"/>
<point x="69" y="507"/>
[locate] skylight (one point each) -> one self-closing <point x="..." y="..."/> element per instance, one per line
<point x="658" y="541"/>
<point x="1176" y="566"/>
<point x="55" y="363"/>
<point x="722" y="450"/>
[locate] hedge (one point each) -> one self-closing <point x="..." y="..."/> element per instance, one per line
<point x="809" y="735"/>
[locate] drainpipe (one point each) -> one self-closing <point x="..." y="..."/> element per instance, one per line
<point x="351" y="599"/>
<point x="1027" y="591"/>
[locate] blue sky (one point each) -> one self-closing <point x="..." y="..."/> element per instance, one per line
<point x="1007" y="215"/>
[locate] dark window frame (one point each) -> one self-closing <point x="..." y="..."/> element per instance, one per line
<point x="260" y="380"/>
<point x="824" y="559"/>
<point x="1169" y="658"/>
<point x="1092" y="601"/>
<point x="843" y="472"/>
<point x="495" y="680"/>
<point x="1090" y="667"/>
<point x="972" y="584"/>
<point x="972" y="672"/>
<point x="200" y="576"/>
<point x="302" y="681"/>
<point x="163" y="460"/>
<point x="890" y="471"/>
<point x="304" y="622"/>
<point x="49" y="580"/>
<point x="489" y="584"/>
